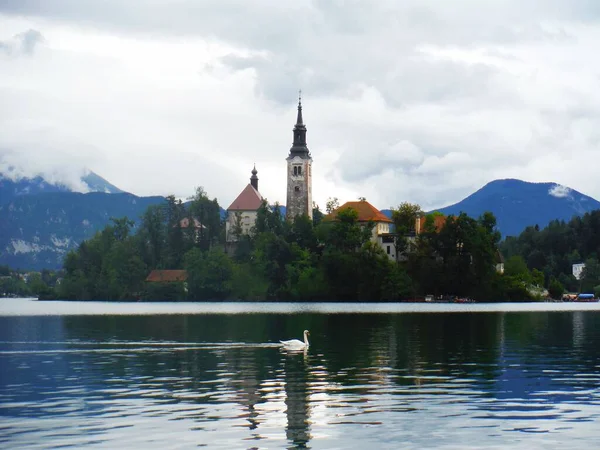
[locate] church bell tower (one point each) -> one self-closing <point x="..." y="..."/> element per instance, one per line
<point x="299" y="172"/>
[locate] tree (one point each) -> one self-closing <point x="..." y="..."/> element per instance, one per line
<point x="332" y="204"/>
<point x="209" y="274"/>
<point x="208" y="213"/>
<point x="516" y="267"/>
<point x="555" y="289"/>
<point x="537" y="278"/>
<point x="317" y="214"/>
<point x="590" y="277"/>
<point x="405" y="217"/>
<point x="152" y="236"/>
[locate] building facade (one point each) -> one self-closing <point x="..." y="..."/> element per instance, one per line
<point x="241" y="214"/>
<point x="299" y="173"/>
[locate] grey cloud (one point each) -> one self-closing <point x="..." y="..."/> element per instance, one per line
<point x="327" y="46"/>
<point x="22" y="43"/>
<point x="463" y="117"/>
<point x="365" y="161"/>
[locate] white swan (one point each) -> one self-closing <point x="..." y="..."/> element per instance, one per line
<point x="295" y="344"/>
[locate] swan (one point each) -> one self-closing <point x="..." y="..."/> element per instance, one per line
<point x="295" y="344"/>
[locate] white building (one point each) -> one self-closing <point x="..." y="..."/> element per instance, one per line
<point x="578" y="270"/>
<point x="241" y="214"/>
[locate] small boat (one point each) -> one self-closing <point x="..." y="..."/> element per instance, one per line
<point x="586" y="298"/>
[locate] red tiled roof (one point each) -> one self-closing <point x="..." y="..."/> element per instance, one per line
<point x="167" y="276"/>
<point x="248" y="200"/>
<point x="366" y="212"/>
<point x="438" y="222"/>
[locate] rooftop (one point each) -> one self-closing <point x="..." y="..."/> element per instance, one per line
<point x="366" y="212"/>
<point x="167" y="276"/>
<point x="248" y="200"/>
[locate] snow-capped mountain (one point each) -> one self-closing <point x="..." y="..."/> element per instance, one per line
<point x="12" y="186"/>
<point x="518" y="204"/>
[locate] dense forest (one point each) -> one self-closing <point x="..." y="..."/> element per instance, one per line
<point x="551" y="252"/>
<point x="329" y="258"/>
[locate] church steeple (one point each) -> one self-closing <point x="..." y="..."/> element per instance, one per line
<point x="254" y="178"/>
<point x="299" y="147"/>
<point x="299" y="121"/>
<point x="299" y="172"/>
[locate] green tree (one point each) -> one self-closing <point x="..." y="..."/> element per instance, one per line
<point x="405" y="217"/>
<point x="331" y="205"/>
<point x="517" y="267"/>
<point x="537" y="278"/>
<point x="555" y="289"/>
<point x="590" y="277"/>
<point x="208" y="213"/>
<point x="209" y="274"/>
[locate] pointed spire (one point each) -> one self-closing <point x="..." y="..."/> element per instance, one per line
<point x="254" y="178"/>
<point x="299" y="119"/>
<point x="299" y="147"/>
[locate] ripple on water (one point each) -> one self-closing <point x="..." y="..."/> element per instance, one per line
<point x="422" y="381"/>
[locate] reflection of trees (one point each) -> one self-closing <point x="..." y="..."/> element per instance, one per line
<point x="297" y="401"/>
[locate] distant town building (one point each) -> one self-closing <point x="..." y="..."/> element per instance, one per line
<point x="578" y="270"/>
<point x="499" y="262"/>
<point x="437" y="222"/>
<point x="241" y="214"/>
<point x="367" y="213"/>
<point x="167" y="276"/>
<point x="192" y="224"/>
<point x="299" y="172"/>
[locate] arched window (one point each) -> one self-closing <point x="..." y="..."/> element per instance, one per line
<point x="295" y="171"/>
<point x="299" y="170"/>
<point x="297" y="189"/>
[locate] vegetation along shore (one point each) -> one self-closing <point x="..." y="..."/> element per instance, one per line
<point x="328" y="258"/>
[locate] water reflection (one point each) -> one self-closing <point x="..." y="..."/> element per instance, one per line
<point x="296" y="397"/>
<point x="385" y="380"/>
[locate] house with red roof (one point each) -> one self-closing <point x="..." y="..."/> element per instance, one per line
<point x="368" y="214"/>
<point x="241" y="214"/>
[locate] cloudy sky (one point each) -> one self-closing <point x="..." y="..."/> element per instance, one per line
<point x="421" y="101"/>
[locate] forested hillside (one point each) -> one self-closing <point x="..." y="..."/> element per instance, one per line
<point x="554" y="249"/>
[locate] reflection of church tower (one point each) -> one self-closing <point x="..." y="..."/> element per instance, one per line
<point x="296" y="401"/>
<point x="299" y="172"/>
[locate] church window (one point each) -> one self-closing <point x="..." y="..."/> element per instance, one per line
<point x="297" y="189"/>
<point x="299" y="170"/>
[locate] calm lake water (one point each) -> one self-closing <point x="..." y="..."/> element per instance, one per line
<point x="382" y="376"/>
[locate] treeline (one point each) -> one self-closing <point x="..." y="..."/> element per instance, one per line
<point x="552" y="251"/>
<point x="301" y="260"/>
<point x="19" y="283"/>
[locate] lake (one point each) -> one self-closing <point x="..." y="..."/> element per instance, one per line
<point x="170" y="376"/>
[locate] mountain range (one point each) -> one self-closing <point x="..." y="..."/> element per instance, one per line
<point x="518" y="204"/>
<point x="12" y="188"/>
<point x="41" y="221"/>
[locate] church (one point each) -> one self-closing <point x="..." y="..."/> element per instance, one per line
<point x="241" y="214"/>
<point x="299" y="172"/>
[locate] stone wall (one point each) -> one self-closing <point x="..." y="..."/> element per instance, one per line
<point x="299" y="187"/>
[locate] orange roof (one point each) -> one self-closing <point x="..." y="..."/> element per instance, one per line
<point x="438" y="222"/>
<point x="167" y="276"/>
<point x="366" y="212"/>
<point x="248" y="200"/>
